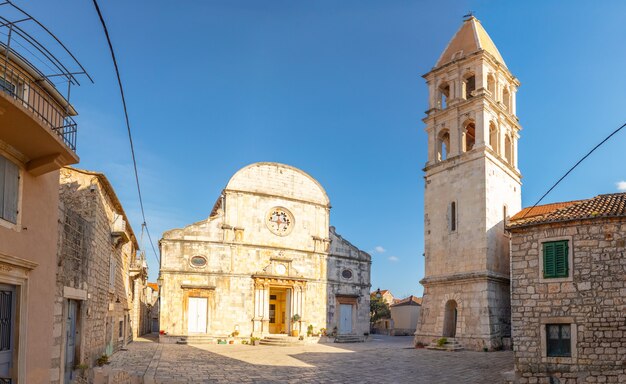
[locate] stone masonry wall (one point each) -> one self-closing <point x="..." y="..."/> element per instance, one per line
<point x="592" y="299"/>
<point x="87" y="252"/>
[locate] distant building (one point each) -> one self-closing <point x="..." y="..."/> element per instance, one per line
<point x="37" y="138"/>
<point x="472" y="184"/>
<point x="153" y="302"/>
<point x="101" y="283"/>
<point x="404" y="314"/>
<point x="265" y="254"/>
<point x="385" y="294"/>
<point x="568" y="296"/>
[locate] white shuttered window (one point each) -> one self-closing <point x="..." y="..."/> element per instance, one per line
<point x="9" y="189"/>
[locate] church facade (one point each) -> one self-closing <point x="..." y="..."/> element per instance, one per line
<point x="266" y="261"/>
<point x="472" y="184"/>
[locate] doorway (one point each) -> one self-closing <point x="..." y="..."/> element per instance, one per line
<point x="7" y="330"/>
<point x="71" y="339"/>
<point x="197" y="314"/>
<point x="449" y="319"/>
<point x="345" y="319"/>
<point x="279" y="310"/>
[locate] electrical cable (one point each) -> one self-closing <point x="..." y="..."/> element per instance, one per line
<point x="572" y="168"/>
<point x="130" y="137"/>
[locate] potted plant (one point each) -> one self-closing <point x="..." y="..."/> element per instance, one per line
<point x="255" y="341"/>
<point x="309" y="330"/>
<point x="295" y="332"/>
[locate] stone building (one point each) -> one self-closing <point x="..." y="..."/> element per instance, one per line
<point x="472" y="184"/>
<point x="37" y="138"/>
<point x="100" y="301"/>
<point x="265" y="254"/>
<point x="568" y="299"/>
<point x="404" y="314"/>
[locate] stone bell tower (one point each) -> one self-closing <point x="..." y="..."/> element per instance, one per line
<point x="472" y="185"/>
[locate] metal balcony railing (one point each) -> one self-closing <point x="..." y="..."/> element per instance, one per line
<point x="32" y="96"/>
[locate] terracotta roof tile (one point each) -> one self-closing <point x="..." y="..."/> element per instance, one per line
<point x="610" y="205"/>
<point x="411" y="300"/>
<point x="154" y="286"/>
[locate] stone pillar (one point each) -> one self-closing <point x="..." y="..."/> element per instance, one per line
<point x="260" y="321"/>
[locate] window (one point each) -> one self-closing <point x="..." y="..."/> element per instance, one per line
<point x="469" y="85"/>
<point x="469" y="136"/>
<point x="346" y="274"/>
<point x="506" y="98"/>
<point x="493" y="136"/>
<point x="198" y="261"/>
<point x="508" y="149"/>
<point x="491" y="84"/>
<point x="9" y="187"/>
<point x="453" y="216"/>
<point x="444" y="94"/>
<point x="555" y="254"/>
<point x="443" y="145"/>
<point x="559" y="340"/>
<point x="7" y="86"/>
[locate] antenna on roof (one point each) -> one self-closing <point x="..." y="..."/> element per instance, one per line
<point x="469" y="15"/>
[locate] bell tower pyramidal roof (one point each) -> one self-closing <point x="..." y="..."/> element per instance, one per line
<point x="470" y="38"/>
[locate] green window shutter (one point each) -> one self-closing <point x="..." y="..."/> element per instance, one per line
<point x="560" y="252"/>
<point x="549" y="262"/>
<point x="555" y="262"/>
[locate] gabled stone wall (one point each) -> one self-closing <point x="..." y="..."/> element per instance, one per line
<point x="592" y="299"/>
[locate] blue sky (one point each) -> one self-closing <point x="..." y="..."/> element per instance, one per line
<point x="333" y="88"/>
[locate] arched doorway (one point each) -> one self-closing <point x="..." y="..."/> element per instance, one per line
<point x="449" y="319"/>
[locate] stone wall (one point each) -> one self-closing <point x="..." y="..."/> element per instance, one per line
<point x="96" y="254"/>
<point x="592" y="299"/>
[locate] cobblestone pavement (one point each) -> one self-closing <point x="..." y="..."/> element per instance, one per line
<point x="383" y="360"/>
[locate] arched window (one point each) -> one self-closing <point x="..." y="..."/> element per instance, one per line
<point x="508" y="149"/>
<point x="444" y="94"/>
<point x="443" y="145"/>
<point x="493" y="136"/>
<point x="506" y="99"/>
<point x="491" y="84"/>
<point x="469" y="86"/>
<point x="469" y="136"/>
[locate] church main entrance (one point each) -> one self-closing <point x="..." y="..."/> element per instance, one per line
<point x="279" y="310"/>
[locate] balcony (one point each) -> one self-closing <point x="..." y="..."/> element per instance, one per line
<point x="34" y="118"/>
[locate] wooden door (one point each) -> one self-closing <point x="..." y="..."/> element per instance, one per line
<point x="345" y="318"/>
<point x="197" y="313"/>
<point x="70" y="340"/>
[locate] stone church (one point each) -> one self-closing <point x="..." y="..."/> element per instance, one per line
<point x="472" y="184"/>
<point x="265" y="254"/>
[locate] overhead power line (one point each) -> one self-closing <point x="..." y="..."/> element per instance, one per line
<point x="130" y="137"/>
<point x="572" y="168"/>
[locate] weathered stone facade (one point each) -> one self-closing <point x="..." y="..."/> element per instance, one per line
<point x="100" y="280"/>
<point x="265" y="254"/>
<point x="471" y="184"/>
<point x="591" y="299"/>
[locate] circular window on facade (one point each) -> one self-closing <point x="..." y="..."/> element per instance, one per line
<point x="198" y="261"/>
<point x="346" y="274"/>
<point x="279" y="221"/>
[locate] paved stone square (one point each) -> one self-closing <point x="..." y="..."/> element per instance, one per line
<point x="384" y="359"/>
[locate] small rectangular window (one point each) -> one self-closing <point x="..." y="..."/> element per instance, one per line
<point x="9" y="189"/>
<point x="555" y="254"/>
<point x="453" y="216"/>
<point x="7" y="87"/>
<point x="559" y="340"/>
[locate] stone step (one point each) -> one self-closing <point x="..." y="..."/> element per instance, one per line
<point x="281" y="341"/>
<point x="450" y="345"/>
<point x="351" y="338"/>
